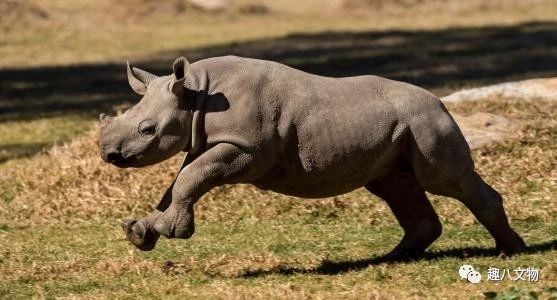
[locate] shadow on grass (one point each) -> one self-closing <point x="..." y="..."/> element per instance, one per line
<point x="440" y="60"/>
<point x="435" y="59"/>
<point x="20" y="150"/>
<point x="328" y="267"/>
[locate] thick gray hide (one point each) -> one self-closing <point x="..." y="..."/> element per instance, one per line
<point x="260" y="122"/>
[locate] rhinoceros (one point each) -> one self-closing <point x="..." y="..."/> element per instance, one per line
<point x="243" y="120"/>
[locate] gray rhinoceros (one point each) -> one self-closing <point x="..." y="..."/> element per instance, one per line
<point x="244" y="120"/>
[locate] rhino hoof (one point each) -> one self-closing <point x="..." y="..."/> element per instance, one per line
<point x="139" y="235"/>
<point x="127" y="224"/>
<point x="517" y="248"/>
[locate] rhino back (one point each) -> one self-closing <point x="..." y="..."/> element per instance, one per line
<point x="315" y="136"/>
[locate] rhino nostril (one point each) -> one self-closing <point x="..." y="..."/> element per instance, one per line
<point x="114" y="157"/>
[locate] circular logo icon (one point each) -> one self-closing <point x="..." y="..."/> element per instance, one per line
<point x="474" y="277"/>
<point x="464" y="270"/>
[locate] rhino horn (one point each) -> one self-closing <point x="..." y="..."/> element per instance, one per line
<point x="104" y="118"/>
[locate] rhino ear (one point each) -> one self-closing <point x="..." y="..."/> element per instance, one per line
<point x="139" y="79"/>
<point x="181" y="68"/>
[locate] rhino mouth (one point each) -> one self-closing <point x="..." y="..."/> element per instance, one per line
<point x="125" y="162"/>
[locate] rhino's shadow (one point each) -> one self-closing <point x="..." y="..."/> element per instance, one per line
<point x="328" y="267"/>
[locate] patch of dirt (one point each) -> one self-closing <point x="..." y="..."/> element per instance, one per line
<point x="210" y="5"/>
<point x="482" y="128"/>
<point x="142" y="8"/>
<point x="526" y="90"/>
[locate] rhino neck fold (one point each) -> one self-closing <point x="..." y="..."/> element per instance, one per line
<point x="198" y="86"/>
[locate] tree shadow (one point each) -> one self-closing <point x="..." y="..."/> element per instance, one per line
<point x="20" y="150"/>
<point x="440" y="60"/>
<point x="328" y="267"/>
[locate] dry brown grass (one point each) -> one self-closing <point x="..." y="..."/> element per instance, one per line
<point x="524" y="168"/>
<point x="418" y="6"/>
<point x="70" y="183"/>
<point x="94" y="31"/>
<point x="60" y="233"/>
<point x="21" y="13"/>
<point x="59" y="210"/>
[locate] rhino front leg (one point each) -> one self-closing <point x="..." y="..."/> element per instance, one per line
<point x="222" y="164"/>
<point x="141" y="232"/>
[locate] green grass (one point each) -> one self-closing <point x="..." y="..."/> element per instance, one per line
<point x="330" y="257"/>
<point x="24" y="138"/>
<point x="61" y="238"/>
<point x="59" y="210"/>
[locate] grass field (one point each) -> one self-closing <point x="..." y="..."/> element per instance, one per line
<point x="60" y="206"/>
<point x="61" y="236"/>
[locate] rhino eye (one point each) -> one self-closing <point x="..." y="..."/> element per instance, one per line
<point x="147" y="128"/>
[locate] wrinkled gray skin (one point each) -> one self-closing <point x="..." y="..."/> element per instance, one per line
<point x="252" y="121"/>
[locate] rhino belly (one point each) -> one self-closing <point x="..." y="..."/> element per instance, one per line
<point x="315" y="176"/>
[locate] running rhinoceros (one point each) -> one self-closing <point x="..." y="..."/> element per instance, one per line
<point x="244" y="120"/>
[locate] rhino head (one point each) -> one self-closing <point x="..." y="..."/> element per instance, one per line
<point x="154" y="129"/>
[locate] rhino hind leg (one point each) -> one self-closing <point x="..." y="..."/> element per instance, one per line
<point x="487" y="206"/>
<point x="442" y="163"/>
<point x="414" y="212"/>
